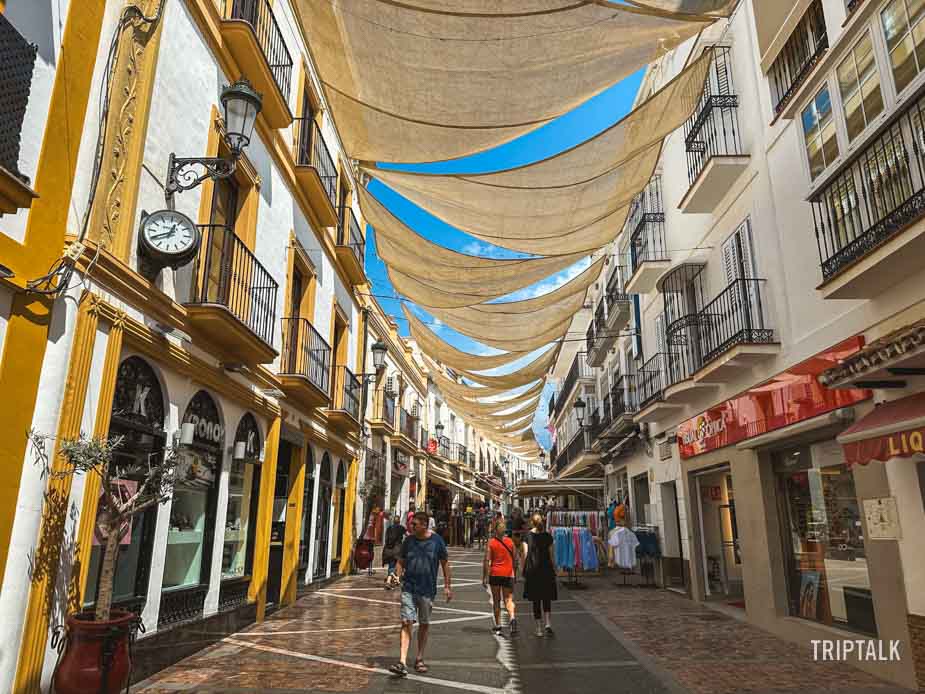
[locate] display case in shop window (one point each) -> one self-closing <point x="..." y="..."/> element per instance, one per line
<point x="234" y="549"/>
<point x="188" y="519"/>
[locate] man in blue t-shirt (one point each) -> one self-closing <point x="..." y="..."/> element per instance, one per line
<point x="417" y="569"/>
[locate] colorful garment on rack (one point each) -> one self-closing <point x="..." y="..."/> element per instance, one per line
<point x="564" y="549"/>
<point x="588" y="552"/>
<point x="624" y="542"/>
<point x="648" y="544"/>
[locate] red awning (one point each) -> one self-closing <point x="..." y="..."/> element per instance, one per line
<point x="893" y="430"/>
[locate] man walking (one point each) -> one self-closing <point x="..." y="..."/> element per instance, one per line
<point x="417" y="569"/>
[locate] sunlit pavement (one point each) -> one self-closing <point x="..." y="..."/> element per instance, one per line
<point x="608" y="639"/>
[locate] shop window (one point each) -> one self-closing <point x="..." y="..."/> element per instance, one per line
<point x="828" y="579"/>
<point x="859" y="84"/>
<point x="819" y="133"/>
<point x="904" y="31"/>
<point x="323" y="517"/>
<point x="137" y="417"/>
<point x="242" y="495"/>
<point x="192" y="513"/>
<point x="307" y="514"/>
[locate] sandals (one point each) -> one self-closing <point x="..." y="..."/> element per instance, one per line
<point x="399" y="669"/>
<point x="420" y="667"/>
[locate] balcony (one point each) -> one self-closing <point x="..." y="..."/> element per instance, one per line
<point x="15" y="85"/>
<point x="383" y="419"/>
<point x="305" y="366"/>
<point x="579" y="371"/>
<point x="351" y="247"/>
<point x="375" y="471"/>
<point x="233" y="299"/>
<point x="616" y="413"/>
<point x="344" y="414"/>
<point x="651" y="382"/>
<point x="648" y="255"/>
<point x="256" y="43"/>
<point x="612" y="316"/>
<point x="715" y="157"/>
<point x="443" y="448"/>
<point x="868" y="216"/>
<point x="461" y="454"/>
<point x="799" y="56"/>
<point x="408" y="438"/>
<point x="577" y="456"/>
<point x="595" y="336"/>
<point x="316" y="172"/>
<point x="471" y="460"/>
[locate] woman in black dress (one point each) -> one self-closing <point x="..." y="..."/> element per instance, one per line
<point x="539" y="573"/>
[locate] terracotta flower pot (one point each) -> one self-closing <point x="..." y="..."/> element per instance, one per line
<point x="94" y="648"/>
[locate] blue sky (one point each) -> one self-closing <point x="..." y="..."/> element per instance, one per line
<point x="577" y="126"/>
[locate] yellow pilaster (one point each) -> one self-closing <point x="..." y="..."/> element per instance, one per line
<point x="27" y="330"/>
<point x="51" y="532"/>
<point x="347" y="537"/>
<point x="92" y="484"/>
<point x="293" y="525"/>
<point x="258" y="587"/>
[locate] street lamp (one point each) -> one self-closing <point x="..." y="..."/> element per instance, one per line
<point x="580" y="406"/>
<point x="439" y="430"/>
<point x="379" y="350"/>
<point x="240" y="105"/>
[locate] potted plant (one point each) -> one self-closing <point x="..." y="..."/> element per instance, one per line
<point x="96" y="647"/>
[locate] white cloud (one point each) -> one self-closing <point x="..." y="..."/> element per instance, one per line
<point x="486" y="250"/>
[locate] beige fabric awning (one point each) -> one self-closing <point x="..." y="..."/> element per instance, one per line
<point x="574" y="201"/>
<point x="447" y="354"/>
<point x="538" y="368"/>
<point x="460" y="279"/>
<point x="523" y="325"/>
<point x="426" y="81"/>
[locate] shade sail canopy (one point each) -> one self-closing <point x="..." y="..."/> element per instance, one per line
<point x="447" y="354"/>
<point x="538" y="368"/>
<point x="457" y="279"/>
<point x="720" y="8"/>
<point x="425" y="81"/>
<point x="523" y="325"/>
<point x="893" y="430"/>
<point x="574" y="201"/>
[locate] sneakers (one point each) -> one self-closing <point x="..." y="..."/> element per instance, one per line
<point x="496" y="630"/>
<point x="539" y="630"/>
<point x="513" y="627"/>
<point x="548" y="630"/>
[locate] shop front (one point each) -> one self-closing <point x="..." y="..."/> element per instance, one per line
<point x="779" y="514"/>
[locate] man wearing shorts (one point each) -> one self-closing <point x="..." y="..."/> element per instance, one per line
<point x="417" y="569"/>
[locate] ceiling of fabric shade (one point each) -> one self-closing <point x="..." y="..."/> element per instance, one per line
<point x="480" y="416"/>
<point x="537" y="368"/>
<point x="445" y="353"/>
<point x="574" y="201"/>
<point x="416" y="82"/>
<point x="523" y="325"/>
<point x="527" y="408"/>
<point x="719" y="8"/>
<point x="455" y="274"/>
<point x="470" y="398"/>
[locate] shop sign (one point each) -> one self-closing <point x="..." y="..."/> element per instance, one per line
<point x="203" y="414"/>
<point x="790" y="397"/>
<point x="882" y="519"/>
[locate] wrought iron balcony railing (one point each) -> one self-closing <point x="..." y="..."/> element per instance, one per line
<point x="443" y="447"/>
<point x="808" y="42"/>
<point x="349" y="234"/>
<point x="646" y="226"/>
<point x="385" y="407"/>
<point x="312" y="151"/>
<point x="713" y="128"/>
<point x="408" y="425"/>
<point x="259" y="14"/>
<point x="461" y="453"/>
<point x="228" y="274"/>
<point x="579" y="369"/>
<point x="305" y="353"/>
<point x="589" y="339"/>
<point x="17" y="56"/>
<point x="623" y="397"/>
<point x="877" y="193"/>
<point x="734" y="317"/>
<point x="348" y="392"/>
<point x="652" y="379"/>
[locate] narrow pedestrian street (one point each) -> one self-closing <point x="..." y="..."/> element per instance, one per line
<point x="342" y="638"/>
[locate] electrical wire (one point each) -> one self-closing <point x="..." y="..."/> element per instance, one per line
<point x="57" y="280"/>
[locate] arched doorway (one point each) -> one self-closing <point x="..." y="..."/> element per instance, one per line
<point x="243" y="496"/>
<point x="308" y="515"/>
<point x="138" y="408"/>
<point x="323" y="517"/>
<point x="340" y="498"/>
<point x="192" y="513"/>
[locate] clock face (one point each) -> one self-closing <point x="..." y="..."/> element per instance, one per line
<point x="170" y="233"/>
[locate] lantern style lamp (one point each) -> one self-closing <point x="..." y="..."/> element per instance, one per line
<point x="439" y="430"/>
<point x="240" y="105"/>
<point x="379" y="350"/>
<point x="580" y="406"/>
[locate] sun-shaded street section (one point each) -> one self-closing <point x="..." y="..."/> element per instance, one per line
<point x="343" y="637"/>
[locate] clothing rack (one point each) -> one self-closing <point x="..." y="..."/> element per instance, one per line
<point x="646" y="554"/>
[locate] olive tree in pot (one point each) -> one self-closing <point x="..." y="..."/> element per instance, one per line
<point x="96" y="650"/>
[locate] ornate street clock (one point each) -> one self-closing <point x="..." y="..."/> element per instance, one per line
<point x="167" y="238"/>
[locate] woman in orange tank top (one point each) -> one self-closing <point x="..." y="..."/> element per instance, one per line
<point x="498" y="571"/>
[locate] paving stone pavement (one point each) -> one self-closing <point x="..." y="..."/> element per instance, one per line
<point x="608" y="640"/>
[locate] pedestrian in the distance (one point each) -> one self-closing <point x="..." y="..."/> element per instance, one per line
<point x="540" y="574"/>
<point x="498" y="571"/>
<point x="420" y="554"/>
<point x="394" y="536"/>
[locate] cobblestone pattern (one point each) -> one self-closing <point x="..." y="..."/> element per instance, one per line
<point x="917" y="635"/>
<point x="710" y="653"/>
